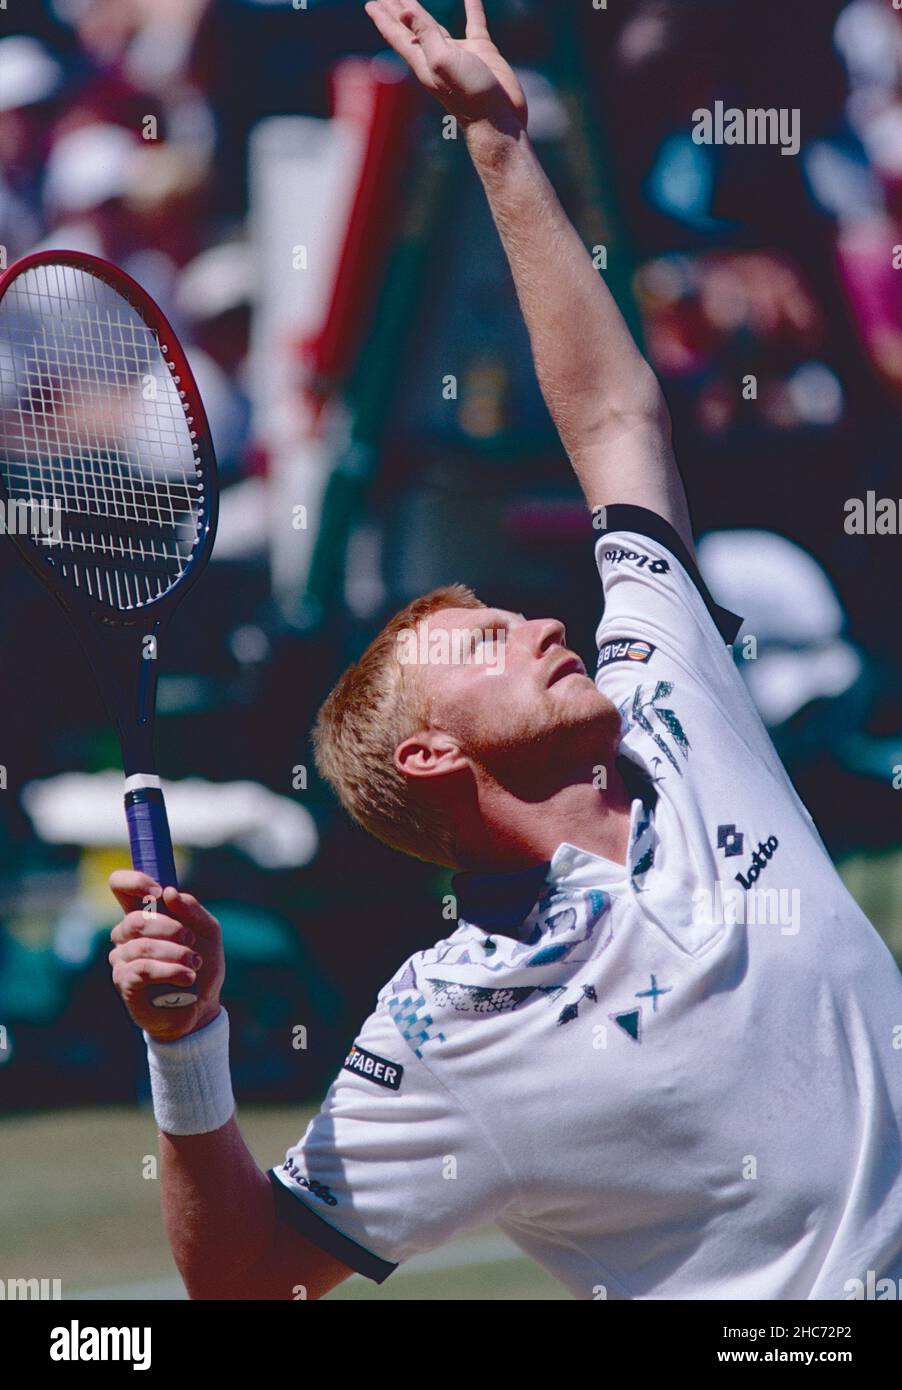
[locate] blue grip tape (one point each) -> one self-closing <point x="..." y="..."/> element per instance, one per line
<point x="151" y="844"/>
<point x="148" y="833"/>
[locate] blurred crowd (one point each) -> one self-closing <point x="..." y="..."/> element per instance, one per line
<point x="822" y="225"/>
<point x="123" y="131"/>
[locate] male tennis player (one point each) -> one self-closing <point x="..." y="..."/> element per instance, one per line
<point x="662" y="1049"/>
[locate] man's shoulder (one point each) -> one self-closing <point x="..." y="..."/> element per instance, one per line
<point x="409" y="998"/>
<point x="453" y="984"/>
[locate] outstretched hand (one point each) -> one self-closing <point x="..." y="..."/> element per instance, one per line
<point x="469" y="75"/>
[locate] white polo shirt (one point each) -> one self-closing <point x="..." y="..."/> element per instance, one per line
<point x="675" y="1078"/>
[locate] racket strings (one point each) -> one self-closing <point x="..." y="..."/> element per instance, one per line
<point x="94" y="428"/>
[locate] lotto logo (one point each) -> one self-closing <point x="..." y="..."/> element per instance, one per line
<point x="730" y="840"/>
<point x="760" y="860"/>
<point x="637" y="558"/>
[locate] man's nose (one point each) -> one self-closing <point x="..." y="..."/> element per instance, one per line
<point x="547" y="632"/>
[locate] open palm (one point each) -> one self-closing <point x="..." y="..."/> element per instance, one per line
<point x="469" y="75"/>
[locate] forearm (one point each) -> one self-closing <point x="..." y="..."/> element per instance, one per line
<point x="218" y="1207"/>
<point x="603" y="396"/>
<point x="218" y="1211"/>
<point x="220" y="1215"/>
<point x="591" y="372"/>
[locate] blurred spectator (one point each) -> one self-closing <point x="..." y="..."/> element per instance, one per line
<point x="30" y="79"/>
<point x="213" y="297"/>
<point x="868" y="36"/>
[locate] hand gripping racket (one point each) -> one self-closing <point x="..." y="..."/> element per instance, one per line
<point x="108" y="477"/>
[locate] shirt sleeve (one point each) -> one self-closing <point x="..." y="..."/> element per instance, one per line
<point x="392" y="1165"/>
<point x="649" y="579"/>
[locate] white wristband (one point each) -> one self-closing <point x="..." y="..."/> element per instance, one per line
<point x="190" y="1080"/>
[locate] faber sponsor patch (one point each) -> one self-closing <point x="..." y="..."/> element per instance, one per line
<point x="376" y="1069"/>
<point x="625" y="649"/>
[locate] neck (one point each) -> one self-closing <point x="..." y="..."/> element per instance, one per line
<point x="514" y="833"/>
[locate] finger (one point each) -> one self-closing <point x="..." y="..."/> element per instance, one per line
<point x="399" y="38"/>
<point x="155" y="950"/>
<point x="425" y="30"/>
<point x="130" y="886"/>
<point x="187" y="910"/>
<point x="151" y="924"/>
<point x="477" y="28"/>
<point x="415" y="16"/>
<point x="397" y="8"/>
<point x="394" y="7"/>
<point x="135" y="974"/>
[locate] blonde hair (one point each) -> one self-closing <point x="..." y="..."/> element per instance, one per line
<point x="376" y="704"/>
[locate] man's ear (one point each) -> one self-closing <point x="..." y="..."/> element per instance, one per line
<point x="429" y="753"/>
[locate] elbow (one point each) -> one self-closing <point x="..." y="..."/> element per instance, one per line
<point x="643" y="407"/>
<point x="209" y="1287"/>
<point x="217" y="1278"/>
<point x="647" y="422"/>
<point x="609" y="416"/>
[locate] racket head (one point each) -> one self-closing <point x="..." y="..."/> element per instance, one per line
<point x="104" y="441"/>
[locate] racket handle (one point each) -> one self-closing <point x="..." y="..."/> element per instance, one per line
<point x="151" y="846"/>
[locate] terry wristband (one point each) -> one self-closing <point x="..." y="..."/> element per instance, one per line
<point x="190" y="1080"/>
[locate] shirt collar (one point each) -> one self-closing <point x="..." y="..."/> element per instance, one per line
<point x="502" y="902"/>
<point x="498" y="902"/>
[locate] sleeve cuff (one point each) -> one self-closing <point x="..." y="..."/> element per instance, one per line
<point x="294" y="1211"/>
<point x="624" y="516"/>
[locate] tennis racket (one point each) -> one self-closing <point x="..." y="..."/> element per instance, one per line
<point x="108" y="473"/>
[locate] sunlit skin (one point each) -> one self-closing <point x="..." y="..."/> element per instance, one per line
<point x="515" y="752"/>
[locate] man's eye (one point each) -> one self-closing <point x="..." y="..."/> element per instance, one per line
<point x="481" y="636"/>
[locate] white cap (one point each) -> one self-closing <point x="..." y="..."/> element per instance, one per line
<point x="782" y="591"/>
<point x="219" y="279"/>
<point x="89" y="165"/>
<point x="27" y="72"/>
<point x="790" y="606"/>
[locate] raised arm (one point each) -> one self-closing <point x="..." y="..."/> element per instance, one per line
<point x="603" y="396"/>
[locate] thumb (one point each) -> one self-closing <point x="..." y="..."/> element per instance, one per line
<point x="131" y="888"/>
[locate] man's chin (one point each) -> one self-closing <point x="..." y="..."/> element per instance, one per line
<point x="586" y="717"/>
<point x="580" y="698"/>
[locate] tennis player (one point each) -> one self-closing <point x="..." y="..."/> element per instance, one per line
<point x="661" y="1047"/>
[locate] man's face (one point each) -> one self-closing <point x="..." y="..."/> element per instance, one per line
<point x="512" y="692"/>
